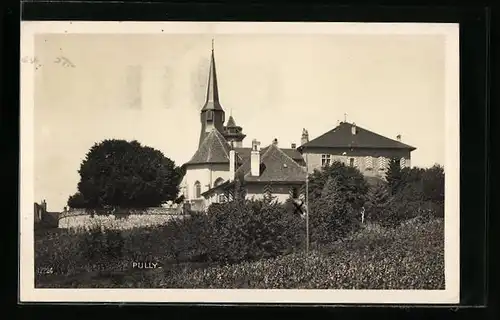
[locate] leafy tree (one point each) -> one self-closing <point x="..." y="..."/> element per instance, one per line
<point x="394" y="176"/>
<point x="351" y="183"/>
<point x="433" y="184"/>
<point x="332" y="215"/>
<point x="377" y="202"/>
<point x="119" y="173"/>
<point x="77" y="201"/>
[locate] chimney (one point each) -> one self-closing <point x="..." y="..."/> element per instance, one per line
<point x="275" y="142"/>
<point x="305" y="137"/>
<point x="232" y="164"/>
<point x="398" y="137"/>
<point x="294" y="145"/>
<point x="353" y="129"/>
<point x="255" y="159"/>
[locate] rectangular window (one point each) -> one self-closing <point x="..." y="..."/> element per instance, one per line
<point x="325" y="160"/>
<point x="351" y="162"/>
<point x="222" y="198"/>
<point x="210" y="115"/>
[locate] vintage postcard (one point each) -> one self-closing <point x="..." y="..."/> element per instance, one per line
<point x="239" y="162"/>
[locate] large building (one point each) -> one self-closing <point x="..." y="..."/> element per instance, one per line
<point x="354" y="146"/>
<point x="281" y="172"/>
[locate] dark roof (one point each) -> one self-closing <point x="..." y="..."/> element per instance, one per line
<point x="213" y="149"/>
<point x="276" y="166"/>
<point x="244" y="153"/>
<point x="212" y="99"/>
<point x="342" y="137"/>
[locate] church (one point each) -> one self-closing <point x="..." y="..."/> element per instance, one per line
<point x="270" y="169"/>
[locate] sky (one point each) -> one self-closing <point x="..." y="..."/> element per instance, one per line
<point x="152" y="87"/>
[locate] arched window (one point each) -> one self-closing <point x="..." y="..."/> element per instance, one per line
<point x="218" y="182"/>
<point x="197" y="189"/>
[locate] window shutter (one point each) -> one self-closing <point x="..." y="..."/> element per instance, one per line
<point x="381" y="163"/>
<point x="402" y="162"/>
<point x="369" y="162"/>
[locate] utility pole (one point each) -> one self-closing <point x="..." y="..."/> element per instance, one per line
<point x="307" y="206"/>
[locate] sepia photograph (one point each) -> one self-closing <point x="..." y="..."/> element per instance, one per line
<point x="239" y="162"/>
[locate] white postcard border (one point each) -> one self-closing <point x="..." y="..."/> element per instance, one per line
<point x="28" y="293"/>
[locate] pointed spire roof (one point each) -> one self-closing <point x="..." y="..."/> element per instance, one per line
<point x="212" y="98"/>
<point x="231" y="122"/>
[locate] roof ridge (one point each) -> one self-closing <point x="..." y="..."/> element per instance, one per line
<point x="221" y="142"/>
<point x="286" y="156"/>
<point x="382" y="136"/>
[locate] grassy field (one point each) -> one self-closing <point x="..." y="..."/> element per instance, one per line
<point x="410" y="256"/>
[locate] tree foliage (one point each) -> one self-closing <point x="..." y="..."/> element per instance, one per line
<point x="378" y="199"/>
<point x="394" y="176"/>
<point x="350" y="183"/>
<point x="332" y="215"/>
<point x="119" y="173"/>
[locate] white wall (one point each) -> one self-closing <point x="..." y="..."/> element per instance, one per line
<point x="206" y="174"/>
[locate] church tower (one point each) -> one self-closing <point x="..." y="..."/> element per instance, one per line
<point x="212" y="115"/>
<point x="234" y="133"/>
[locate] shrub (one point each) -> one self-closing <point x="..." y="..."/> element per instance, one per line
<point x="100" y="245"/>
<point x="235" y="231"/>
<point x="188" y="239"/>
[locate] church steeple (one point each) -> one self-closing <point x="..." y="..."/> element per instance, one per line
<point x="212" y="113"/>
<point x="212" y="98"/>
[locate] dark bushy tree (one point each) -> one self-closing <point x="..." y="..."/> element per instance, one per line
<point x="377" y="203"/>
<point x="433" y="184"/>
<point x="332" y="215"/>
<point x="119" y="173"/>
<point x="77" y="201"/>
<point x="351" y="183"/>
<point x="394" y="176"/>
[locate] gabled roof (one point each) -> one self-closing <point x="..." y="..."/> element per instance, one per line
<point x="276" y="166"/>
<point x="244" y="153"/>
<point x="213" y="149"/>
<point x="342" y="137"/>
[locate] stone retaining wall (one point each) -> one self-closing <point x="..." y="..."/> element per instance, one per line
<point x="119" y="219"/>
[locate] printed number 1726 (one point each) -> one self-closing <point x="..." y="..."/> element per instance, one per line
<point x="46" y="270"/>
